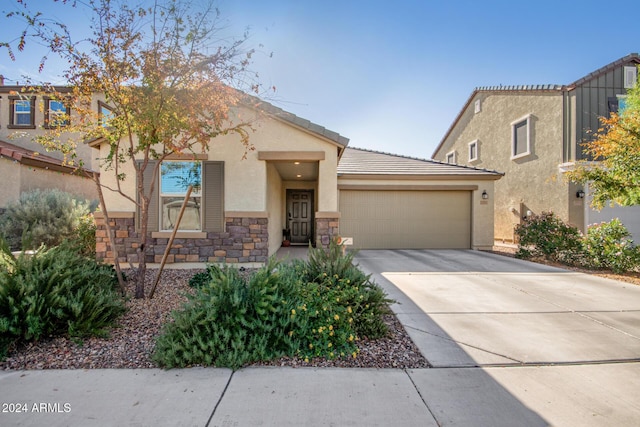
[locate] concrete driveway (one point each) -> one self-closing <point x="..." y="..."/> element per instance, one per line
<point x="507" y="336"/>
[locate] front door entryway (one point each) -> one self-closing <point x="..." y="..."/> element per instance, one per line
<point x="300" y="215"/>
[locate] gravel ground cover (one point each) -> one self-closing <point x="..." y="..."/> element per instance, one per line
<point x="131" y="344"/>
<point x="630" y="277"/>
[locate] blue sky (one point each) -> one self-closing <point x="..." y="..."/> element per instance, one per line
<point x="392" y="76"/>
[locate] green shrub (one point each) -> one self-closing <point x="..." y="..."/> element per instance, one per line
<point x="231" y="321"/>
<point x="547" y="236"/>
<point x="42" y="217"/>
<point x="56" y="292"/>
<point x="292" y="309"/>
<point x="336" y="272"/>
<point x="84" y="236"/>
<point x="608" y="246"/>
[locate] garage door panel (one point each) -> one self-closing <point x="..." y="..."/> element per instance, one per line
<point x="406" y="219"/>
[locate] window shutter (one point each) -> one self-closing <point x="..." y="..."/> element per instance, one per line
<point x="213" y="196"/>
<point x="154" y="213"/>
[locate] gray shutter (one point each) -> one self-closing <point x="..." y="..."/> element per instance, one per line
<point x="213" y="195"/>
<point x="154" y="211"/>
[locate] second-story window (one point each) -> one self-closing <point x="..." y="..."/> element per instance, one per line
<point x="105" y="113"/>
<point x="22" y="112"/>
<point x="57" y="114"/>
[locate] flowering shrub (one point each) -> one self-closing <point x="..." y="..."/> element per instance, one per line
<point x="283" y="309"/>
<point x="547" y="236"/>
<point x="608" y="246"/>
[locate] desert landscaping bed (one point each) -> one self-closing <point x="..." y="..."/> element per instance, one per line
<point x="130" y="345"/>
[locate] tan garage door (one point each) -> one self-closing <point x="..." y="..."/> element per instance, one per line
<point x="406" y="219"/>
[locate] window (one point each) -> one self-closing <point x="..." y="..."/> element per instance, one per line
<point x="520" y="137"/>
<point x="105" y="114"/>
<point x="22" y="112"/>
<point x="473" y="150"/>
<point x="630" y="77"/>
<point x="175" y="179"/>
<point x="477" y="107"/>
<point x="451" y="157"/>
<point x="57" y="114"/>
<point x="617" y="104"/>
<point x="206" y="207"/>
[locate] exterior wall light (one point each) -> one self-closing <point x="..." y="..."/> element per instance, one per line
<point x="485" y="196"/>
<point x="580" y="194"/>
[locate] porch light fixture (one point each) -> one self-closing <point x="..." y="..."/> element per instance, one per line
<point x="298" y="176"/>
<point x="296" y="163"/>
<point x="580" y="194"/>
<point x="485" y="196"/>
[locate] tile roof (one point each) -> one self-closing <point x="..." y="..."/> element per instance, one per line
<point x="298" y="121"/>
<point x="35" y="159"/>
<point x="358" y="161"/>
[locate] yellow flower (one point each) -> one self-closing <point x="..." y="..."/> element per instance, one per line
<point x="354" y="354"/>
<point x="306" y="359"/>
<point x="331" y="327"/>
<point x="337" y="299"/>
<point x="351" y="337"/>
<point x="350" y="319"/>
<point x="290" y="333"/>
<point x="331" y="354"/>
<point x="331" y="333"/>
<point x="310" y="346"/>
<point x="329" y="345"/>
<point x="336" y="317"/>
<point x="293" y="312"/>
<point x="349" y="309"/>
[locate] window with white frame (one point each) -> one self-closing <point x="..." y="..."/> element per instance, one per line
<point x="175" y="179"/>
<point x="521" y="137"/>
<point x="630" y="77"/>
<point x="22" y="112"/>
<point x="57" y="113"/>
<point x="477" y="106"/>
<point x="451" y="157"/>
<point x="473" y="151"/>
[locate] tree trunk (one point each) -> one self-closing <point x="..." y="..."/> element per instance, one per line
<point x="142" y="250"/>
<point x="110" y="236"/>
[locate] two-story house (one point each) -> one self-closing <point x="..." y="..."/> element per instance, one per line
<point x="26" y="165"/>
<point x="533" y="134"/>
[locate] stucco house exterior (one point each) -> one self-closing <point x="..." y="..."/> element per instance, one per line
<point x="24" y="164"/>
<point x="533" y="134"/>
<point x="303" y="182"/>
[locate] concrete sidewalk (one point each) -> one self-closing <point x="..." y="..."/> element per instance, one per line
<point x="515" y="396"/>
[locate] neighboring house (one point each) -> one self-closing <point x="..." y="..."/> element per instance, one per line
<point x="24" y="164"/>
<point x="534" y="134"/>
<point x="302" y="182"/>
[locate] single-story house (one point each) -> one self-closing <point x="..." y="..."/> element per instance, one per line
<point x="301" y="182"/>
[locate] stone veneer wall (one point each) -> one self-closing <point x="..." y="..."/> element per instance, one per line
<point x="326" y="230"/>
<point x="246" y="239"/>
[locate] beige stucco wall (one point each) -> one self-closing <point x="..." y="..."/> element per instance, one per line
<point x="250" y="184"/>
<point x="10" y="190"/>
<point x="275" y="208"/>
<point x="530" y="183"/>
<point x="482" y="214"/>
<point x="21" y="178"/>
